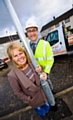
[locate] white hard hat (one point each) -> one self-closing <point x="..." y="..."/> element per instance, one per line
<point x="31" y="23"/>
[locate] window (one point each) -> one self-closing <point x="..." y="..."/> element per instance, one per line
<point x="53" y="37"/>
<point x="67" y="20"/>
<point x="68" y="28"/>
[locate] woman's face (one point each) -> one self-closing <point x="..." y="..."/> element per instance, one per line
<point x="18" y="57"/>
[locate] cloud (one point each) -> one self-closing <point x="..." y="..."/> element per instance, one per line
<point x="5" y="20"/>
<point x="42" y="10"/>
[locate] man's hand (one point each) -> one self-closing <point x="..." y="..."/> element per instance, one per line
<point x="43" y="76"/>
<point x="39" y="69"/>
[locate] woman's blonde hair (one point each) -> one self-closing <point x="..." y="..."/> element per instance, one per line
<point x="14" y="45"/>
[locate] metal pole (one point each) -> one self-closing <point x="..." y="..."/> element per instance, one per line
<point x="17" y="24"/>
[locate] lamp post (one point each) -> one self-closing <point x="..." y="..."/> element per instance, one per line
<point x="17" y="24"/>
<point x="9" y="36"/>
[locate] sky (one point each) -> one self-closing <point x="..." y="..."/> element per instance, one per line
<point x="42" y="10"/>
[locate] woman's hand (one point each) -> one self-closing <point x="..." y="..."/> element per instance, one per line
<point x="39" y="68"/>
<point x="43" y="76"/>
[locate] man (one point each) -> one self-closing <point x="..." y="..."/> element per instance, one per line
<point x="41" y="49"/>
<point x="43" y="54"/>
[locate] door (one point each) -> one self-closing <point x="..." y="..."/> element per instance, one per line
<point x="56" y="40"/>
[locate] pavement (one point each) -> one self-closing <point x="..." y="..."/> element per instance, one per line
<point x="28" y="113"/>
<point x="11" y="108"/>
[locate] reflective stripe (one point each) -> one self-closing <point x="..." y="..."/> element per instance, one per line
<point x="39" y="59"/>
<point x="47" y="67"/>
<point x="44" y="49"/>
<point x="49" y="58"/>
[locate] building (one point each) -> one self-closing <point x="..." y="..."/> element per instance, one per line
<point x="66" y="19"/>
<point x="4" y="41"/>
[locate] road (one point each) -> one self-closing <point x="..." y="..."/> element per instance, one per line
<point x="8" y="101"/>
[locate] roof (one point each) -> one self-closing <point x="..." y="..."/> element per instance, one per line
<point x="8" y="38"/>
<point x="58" y="19"/>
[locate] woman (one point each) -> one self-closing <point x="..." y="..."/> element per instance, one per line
<point x="25" y="81"/>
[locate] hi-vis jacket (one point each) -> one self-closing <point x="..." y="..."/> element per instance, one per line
<point x="44" y="55"/>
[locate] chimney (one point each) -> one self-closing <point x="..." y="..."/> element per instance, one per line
<point x="53" y="17"/>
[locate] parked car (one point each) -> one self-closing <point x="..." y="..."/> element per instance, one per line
<point x="3" y="64"/>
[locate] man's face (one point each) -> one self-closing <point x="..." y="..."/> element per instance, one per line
<point x="32" y="33"/>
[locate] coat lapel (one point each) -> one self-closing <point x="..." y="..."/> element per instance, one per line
<point x="36" y="76"/>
